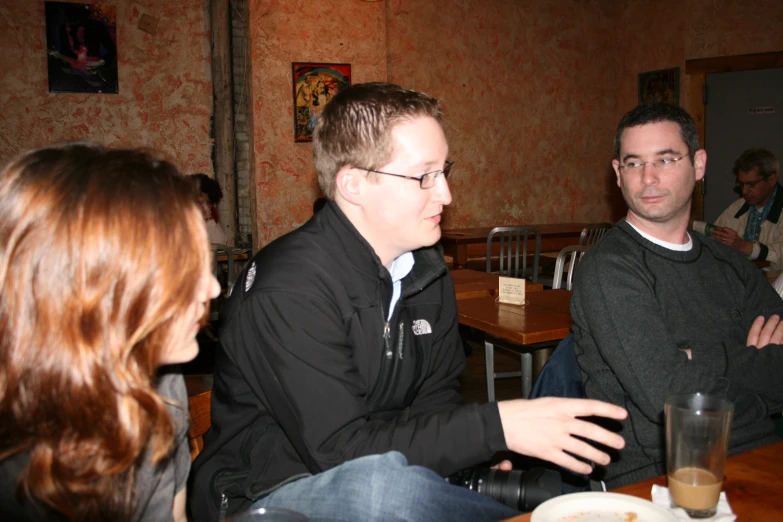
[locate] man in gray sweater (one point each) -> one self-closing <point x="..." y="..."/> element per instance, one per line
<point x="658" y="309"/>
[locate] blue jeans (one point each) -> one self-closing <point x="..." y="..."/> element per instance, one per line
<point x="382" y="488"/>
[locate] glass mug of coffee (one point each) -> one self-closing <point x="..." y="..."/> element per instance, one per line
<point x="697" y="439"/>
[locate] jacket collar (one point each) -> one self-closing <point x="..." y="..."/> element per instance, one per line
<point x="774" y="211"/>
<point x="428" y="266"/>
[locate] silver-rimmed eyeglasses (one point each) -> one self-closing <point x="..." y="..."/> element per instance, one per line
<point x="739" y="185"/>
<point x="661" y="164"/>
<point x="426" y="180"/>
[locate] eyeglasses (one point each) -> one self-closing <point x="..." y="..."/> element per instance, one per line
<point x="426" y="180"/>
<point x="739" y="185"/>
<point x="661" y="164"/>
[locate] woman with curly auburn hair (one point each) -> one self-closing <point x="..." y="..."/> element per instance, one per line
<point x="104" y="279"/>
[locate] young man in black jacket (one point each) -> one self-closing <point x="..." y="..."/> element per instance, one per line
<point x="336" y="391"/>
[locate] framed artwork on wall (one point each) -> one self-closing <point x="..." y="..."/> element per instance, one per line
<point x="314" y="86"/>
<point x="662" y="86"/>
<point x="81" y="42"/>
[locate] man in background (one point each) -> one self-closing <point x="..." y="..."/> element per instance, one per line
<point x="659" y="309"/>
<point x="752" y="224"/>
<point x="208" y="199"/>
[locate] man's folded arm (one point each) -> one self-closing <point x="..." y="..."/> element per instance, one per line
<point x="625" y="326"/>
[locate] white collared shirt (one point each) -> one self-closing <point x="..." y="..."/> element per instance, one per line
<point x="400" y="267"/>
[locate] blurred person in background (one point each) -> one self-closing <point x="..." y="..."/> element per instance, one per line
<point x="208" y="198"/>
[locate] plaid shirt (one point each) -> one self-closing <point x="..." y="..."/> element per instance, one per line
<point x="756" y="217"/>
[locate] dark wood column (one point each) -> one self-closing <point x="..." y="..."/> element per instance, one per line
<point x="223" y="115"/>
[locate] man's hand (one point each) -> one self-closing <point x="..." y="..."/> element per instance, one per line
<point x="546" y="428"/>
<point x="729" y="237"/>
<point x="765" y="331"/>
<point x="504" y="465"/>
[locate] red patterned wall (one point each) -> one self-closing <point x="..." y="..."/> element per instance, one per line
<point x="165" y="87"/>
<point x="665" y="33"/>
<point x="532" y="90"/>
<point x="529" y="109"/>
<point x="529" y="102"/>
<point x="285" y="31"/>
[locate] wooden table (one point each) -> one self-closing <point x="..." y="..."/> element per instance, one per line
<point x="753" y="484"/>
<point x="545" y="317"/>
<point x="462" y="243"/>
<point x="237" y="254"/>
<point x="472" y="283"/>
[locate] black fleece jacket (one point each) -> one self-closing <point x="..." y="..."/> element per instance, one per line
<point x="310" y="365"/>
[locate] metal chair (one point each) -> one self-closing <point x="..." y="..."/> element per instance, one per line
<point x="574" y="254"/>
<point x="592" y="233"/>
<point x="589" y="236"/>
<point x="510" y="239"/>
<point x="217" y="250"/>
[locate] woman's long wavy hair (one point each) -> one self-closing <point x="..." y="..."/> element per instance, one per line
<point x="100" y="252"/>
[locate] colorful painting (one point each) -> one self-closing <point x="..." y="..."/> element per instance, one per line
<point x="314" y="86"/>
<point x="660" y="86"/>
<point x="81" y="40"/>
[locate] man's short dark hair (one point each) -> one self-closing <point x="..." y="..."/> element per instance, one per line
<point x="766" y="162"/>
<point x="208" y="186"/>
<point x="355" y="127"/>
<point x="657" y="112"/>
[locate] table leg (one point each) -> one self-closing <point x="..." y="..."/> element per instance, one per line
<point x="540" y="357"/>
<point x="489" y="361"/>
<point x="526" y="360"/>
<point x="461" y="256"/>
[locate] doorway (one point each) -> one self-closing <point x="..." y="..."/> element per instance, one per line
<point x="744" y="109"/>
<point x="697" y="70"/>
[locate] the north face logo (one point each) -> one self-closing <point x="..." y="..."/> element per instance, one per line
<point x="421" y="327"/>
<point x="250" y="277"/>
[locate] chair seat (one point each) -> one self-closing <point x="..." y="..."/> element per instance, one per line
<point x="200" y="407"/>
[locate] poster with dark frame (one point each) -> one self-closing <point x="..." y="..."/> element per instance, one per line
<point x="81" y="42"/>
<point x="662" y="85"/>
<point x="314" y="86"/>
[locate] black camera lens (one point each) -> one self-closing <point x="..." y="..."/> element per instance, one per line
<point x="521" y="490"/>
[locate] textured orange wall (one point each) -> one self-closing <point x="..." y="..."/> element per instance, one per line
<point x="693" y="29"/>
<point x="165" y="98"/>
<point x="532" y="90"/>
<point x="285" y="31"/>
<point x="530" y="104"/>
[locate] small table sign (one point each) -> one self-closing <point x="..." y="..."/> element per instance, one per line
<point x="511" y="290"/>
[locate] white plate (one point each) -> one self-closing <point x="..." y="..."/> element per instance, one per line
<point x="600" y="507"/>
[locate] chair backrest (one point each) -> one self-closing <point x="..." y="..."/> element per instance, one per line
<point x="510" y="239"/>
<point x="217" y="250"/>
<point x="592" y="233"/>
<point x="574" y="253"/>
<point x="200" y="406"/>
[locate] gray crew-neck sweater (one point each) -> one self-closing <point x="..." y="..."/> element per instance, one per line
<point x="637" y="306"/>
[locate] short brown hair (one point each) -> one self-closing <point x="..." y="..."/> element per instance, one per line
<point x="764" y="159"/>
<point x="355" y="127"/>
<point x="101" y="251"/>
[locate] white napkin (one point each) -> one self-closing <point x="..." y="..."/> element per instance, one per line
<point x="660" y="496"/>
